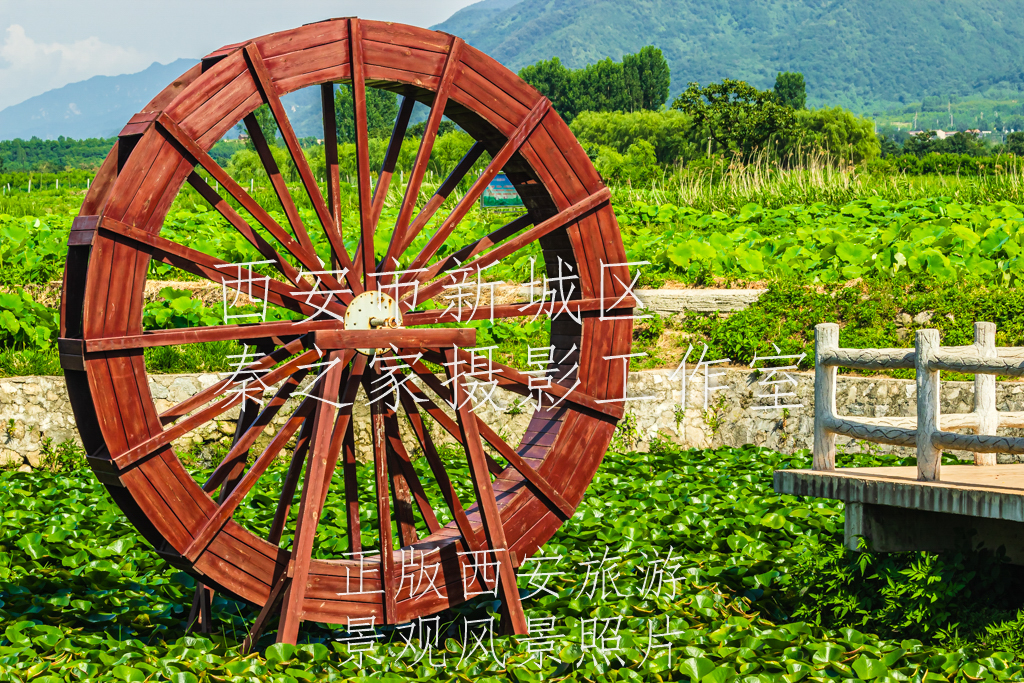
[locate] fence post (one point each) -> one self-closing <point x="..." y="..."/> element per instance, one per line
<point x="928" y="456"/>
<point x="985" y="389"/>
<point x="826" y="338"/>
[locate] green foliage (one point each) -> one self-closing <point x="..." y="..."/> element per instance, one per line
<point x="639" y="81"/>
<point x="668" y="131"/>
<point x="554" y="81"/>
<point x="790" y="89"/>
<point x="267" y="123"/>
<point x="837" y="132"/>
<point x="84" y="596"/>
<point x="935" y="240"/>
<point x="49" y="156"/>
<point x="647" y="78"/>
<point x="961" y="143"/>
<point x="417" y="129"/>
<point x="25" y="323"/>
<point x="736" y="118"/>
<point x="32" y="249"/>
<point x="65" y="457"/>
<point x="177" y="309"/>
<point x="381" y="112"/>
<point x="1015" y="144"/>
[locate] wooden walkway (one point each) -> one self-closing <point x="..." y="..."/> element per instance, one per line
<point x="995" y="491"/>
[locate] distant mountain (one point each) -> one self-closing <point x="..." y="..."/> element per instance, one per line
<point x="100" y="106"/>
<point x="858" y="53"/>
<point x="95" y="108"/>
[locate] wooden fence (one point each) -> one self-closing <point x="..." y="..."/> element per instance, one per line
<point x="928" y="431"/>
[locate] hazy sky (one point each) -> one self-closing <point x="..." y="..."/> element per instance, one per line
<point x="45" y="44"/>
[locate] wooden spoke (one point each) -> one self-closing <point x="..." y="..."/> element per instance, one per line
<point x="348" y="464"/>
<point x="406" y="470"/>
<point x="400" y="493"/>
<point x="214" y="390"/>
<point x="541" y="485"/>
<point x="333" y="179"/>
<point x="277" y="181"/>
<point x="154" y="443"/>
<point x="515" y="141"/>
<point x="227" y="274"/>
<point x="227" y="508"/>
<point x="470" y="250"/>
<point x="247" y="416"/>
<point x="343" y="431"/>
<point x="269" y="91"/>
<point x="380" y="470"/>
<point x="197" y="155"/>
<point x="432" y="409"/>
<point x="387" y="169"/>
<point x="311" y="504"/>
<point x="451" y="498"/>
<point x="428" y="338"/>
<point x="552" y="309"/>
<point x="199" y="335"/>
<point x="245" y="440"/>
<point x="366" y="248"/>
<point x="562" y="219"/>
<point x="419" y="169"/>
<point x="291" y="481"/>
<point x="489" y="512"/>
<point x="519" y="382"/>
<point x="400" y="242"/>
<point x="271" y="606"/>
<point x="225" y="209"/>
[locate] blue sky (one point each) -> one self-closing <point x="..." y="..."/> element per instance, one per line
<point x="45" y="44"/>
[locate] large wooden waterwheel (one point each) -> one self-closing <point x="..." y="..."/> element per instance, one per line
<point x="519" y="502"/>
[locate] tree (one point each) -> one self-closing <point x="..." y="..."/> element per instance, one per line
<point x="418" y="129"/>
<point x="837" y="132"/>
<point x="381" y="112"/>
<point x="554" y="81"/>
<point x="600" y="86"/>
<point x="647" y="78"/>
<point x="790" y="89"/>
<point x="735" y="117"/>
<point x="668" y="131"/>
<point x="265" y="118"/>
<point x="1015" y="144"/>
<point x="889" y="147"/>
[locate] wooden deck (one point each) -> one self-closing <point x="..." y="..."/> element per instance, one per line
<point x="995" y="492"/>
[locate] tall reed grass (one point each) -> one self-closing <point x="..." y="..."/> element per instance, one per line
<point x="812" y="178"/>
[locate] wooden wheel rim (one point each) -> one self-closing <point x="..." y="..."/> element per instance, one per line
<point x="112" y="243"/>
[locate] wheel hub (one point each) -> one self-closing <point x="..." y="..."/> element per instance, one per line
<point x="370" y="311"/>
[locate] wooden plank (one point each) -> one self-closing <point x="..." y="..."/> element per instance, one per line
<point x="333" y="172"/>
<point x="429" y="338"/>
<point x="310" y="507"/>
<point x="387" y="170"/>
<point x="365" y="253"/>
<point x="380" y="470"/>
<point x="519" y="241"/>
<point x="301" y="63"/>
<point x="474" y="248"/>
<point x="419" y="168"/>
<point x="308" y="259"/>
<point x="403" y="58"/>
<point x="493" y="530"/>
<point x="290" y="483"/>
<point x="149" y="446"/>
<point x="291" y="141"/>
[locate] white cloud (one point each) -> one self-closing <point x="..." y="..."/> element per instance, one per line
<point x="28" y="68"/>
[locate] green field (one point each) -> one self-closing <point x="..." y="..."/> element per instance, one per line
<point x="760" y="586"/>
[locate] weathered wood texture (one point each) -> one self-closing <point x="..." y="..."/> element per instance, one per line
<point x="569" y="214"/>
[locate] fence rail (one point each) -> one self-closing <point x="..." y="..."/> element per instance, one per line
<point x="927" y="359"/>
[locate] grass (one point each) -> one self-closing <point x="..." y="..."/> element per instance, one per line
<point x="812" y="179"/>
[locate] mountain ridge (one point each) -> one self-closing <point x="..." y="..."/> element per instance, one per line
<point x="856" y="53"/>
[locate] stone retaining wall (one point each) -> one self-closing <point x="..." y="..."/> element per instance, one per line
<point x="33" y="409"/>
